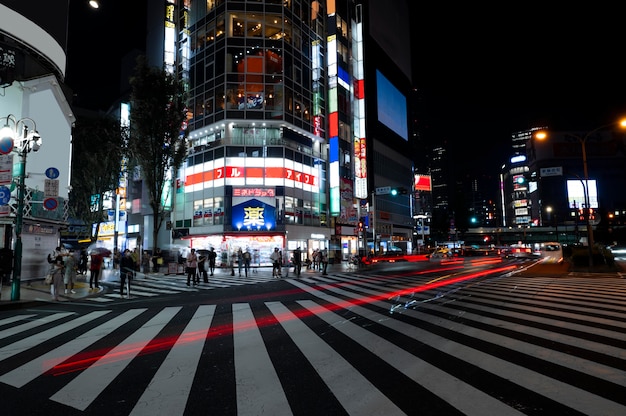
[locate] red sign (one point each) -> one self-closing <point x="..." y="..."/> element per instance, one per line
<point x="423" y="183"/>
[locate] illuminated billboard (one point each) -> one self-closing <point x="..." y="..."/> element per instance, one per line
<point x="423" y="183"/>
<point x="576" y="194"/>
<point x="391" y="106"/>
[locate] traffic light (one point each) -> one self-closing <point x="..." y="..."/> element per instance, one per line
<point x="361" y="224"/>
<point x="399" y="191"/>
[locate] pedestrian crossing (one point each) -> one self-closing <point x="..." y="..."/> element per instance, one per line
<point x="347" y="344"/>
<point x="152" y="285"/>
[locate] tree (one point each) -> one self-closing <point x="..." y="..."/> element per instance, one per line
<point x="97" y="142"/>
<point x="157" y="144"/>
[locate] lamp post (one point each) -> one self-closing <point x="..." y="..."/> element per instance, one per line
<point x="556" y="224"/>
<point x="583" y="146"/>
<point x="29" y="141"/>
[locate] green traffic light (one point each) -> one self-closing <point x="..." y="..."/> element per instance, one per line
<point x="394" y="192"/>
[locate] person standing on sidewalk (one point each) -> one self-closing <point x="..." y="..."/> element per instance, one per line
<point x="192" y="267"/>
<point x="57" y="277"/>
<point x="70" y="272"/>
<point x="94" y="268"/>
<point x="212" y="256"/>
<point x="297" y="261"/>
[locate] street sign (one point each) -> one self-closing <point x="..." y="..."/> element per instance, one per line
<point x="553" y="171"/>
<point x="6" y="169"/>
<point x="51" y="188"/>
<point x="383" y="190"/>
<point x="6" y="145"/>
<point x="52" y="173"/>
<point x="5" y="195"/>
<point x="50" y="204"/>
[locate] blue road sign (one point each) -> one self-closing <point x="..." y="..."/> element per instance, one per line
<point x="50" y="204"/>
<point x="5" y="195"/>
<point x="6" y="145"/>
<point x="52" y="173"/>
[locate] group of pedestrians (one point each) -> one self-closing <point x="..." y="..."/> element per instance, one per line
<point x="320" y="259"/>
<point x="63" y="269"/>
<point x="196" y="266"/>
<point x="243" y="259"/>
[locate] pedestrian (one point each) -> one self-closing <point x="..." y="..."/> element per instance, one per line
<point x="202" y="268"/>
<point x="239" y="260"/>
<point x="82" y="262"/>
<point x="257" y="260"/>
<point x="95" y="268"/>
<point x="117" y="257"/>
<point x="297" y="261"/>
<point x="233" y="259"/>
<point x="69" y="276"/>
<point x="275" y="257"/>
<point x="145" y="262"/>
<point x="6" y="265"/>
<point x="127" y="269"/>
<point x="57" y="273"/>
<point x="136" y="262"/>
<point x="192" y="267"/>
<point x="317" y="259"/>
<point x="324" y="261"/>
<point x="247" y="258"/>
<point x="212" y="256"/>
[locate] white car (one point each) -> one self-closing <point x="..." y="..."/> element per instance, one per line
<point x="551" y="252"/>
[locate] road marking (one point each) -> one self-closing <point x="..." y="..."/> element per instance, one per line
<point x="169" y="389"/>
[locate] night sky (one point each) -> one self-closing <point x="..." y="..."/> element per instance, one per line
<point x="97" y="41"/>
<point x="485" y="73"/>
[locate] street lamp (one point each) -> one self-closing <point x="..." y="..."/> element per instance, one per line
<point x="556" y="223"/>
<point x="583" y="145"/>
<point x="29" y="140"/>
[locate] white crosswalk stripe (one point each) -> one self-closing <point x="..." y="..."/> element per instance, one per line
<point x="152" y="285"/>
<point x="557" y="346"/>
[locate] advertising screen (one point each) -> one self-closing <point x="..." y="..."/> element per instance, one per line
<point x="392" y="108"/>
<point x="576" y="194"/>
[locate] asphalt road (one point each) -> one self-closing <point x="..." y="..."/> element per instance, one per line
<point x="442" y="339"/>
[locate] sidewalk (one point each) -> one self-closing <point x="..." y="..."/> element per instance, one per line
<point x="34" y="292"/>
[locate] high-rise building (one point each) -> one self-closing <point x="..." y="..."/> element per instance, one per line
<point x="297" y="114"/>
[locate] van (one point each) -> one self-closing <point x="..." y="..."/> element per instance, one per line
<point x="551" y="252"/>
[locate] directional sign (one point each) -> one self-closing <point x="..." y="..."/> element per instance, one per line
<point x="50" y="204"/>
<point x="6" y="145"/>
<point x="52" y="173"/>
<point x="383" y="190"/>
<point x="553" y="171"/>
<point x="5" y="195"/>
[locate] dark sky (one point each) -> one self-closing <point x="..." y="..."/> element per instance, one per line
<point x="485" y="74"/>
<point x="97" y="41"/>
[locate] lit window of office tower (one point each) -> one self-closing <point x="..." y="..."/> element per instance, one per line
<point x="278" y="150"/>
